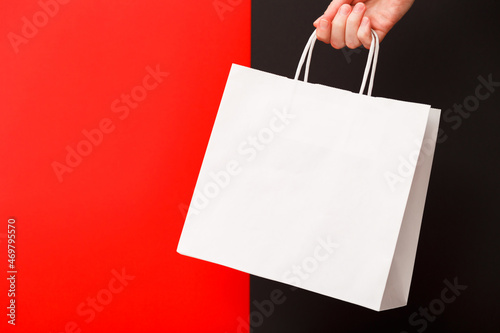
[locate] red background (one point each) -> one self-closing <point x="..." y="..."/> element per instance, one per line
<point x="120" y="207"/>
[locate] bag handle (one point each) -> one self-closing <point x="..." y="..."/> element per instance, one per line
<point x="372" y="60"/>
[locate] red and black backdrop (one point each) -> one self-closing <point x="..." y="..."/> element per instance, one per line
<point x="106" y="111"/>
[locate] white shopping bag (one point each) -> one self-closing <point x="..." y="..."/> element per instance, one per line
<point x="314" y="186"/>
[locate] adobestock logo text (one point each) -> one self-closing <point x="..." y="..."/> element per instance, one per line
<point x="248" y="149"/>
<point x="30" y="27"/>
<point x="94" y="137"/>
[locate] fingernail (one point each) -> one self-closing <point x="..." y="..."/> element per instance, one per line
<point x="323" y="24"/>
<point x="345" y="9"/>
<point x="365" y="21"/>
<point x="359" y="7"/>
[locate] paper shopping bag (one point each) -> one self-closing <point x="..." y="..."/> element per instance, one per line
<point x="313" y="186"/>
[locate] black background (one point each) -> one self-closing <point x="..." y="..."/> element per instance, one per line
<point x="434" y="55"/>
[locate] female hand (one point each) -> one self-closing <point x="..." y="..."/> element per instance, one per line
<point x="349" y="22"/>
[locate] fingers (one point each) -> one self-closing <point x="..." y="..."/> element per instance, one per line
<point x="323" y="30"/>
<point x="324" y="23"/>
<point x="365" y="33"/>
<point x="334" y="7"/>
<point x="339" y="23"/>
<point x="346" y="26"/>
<point x="353" y="24"/>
